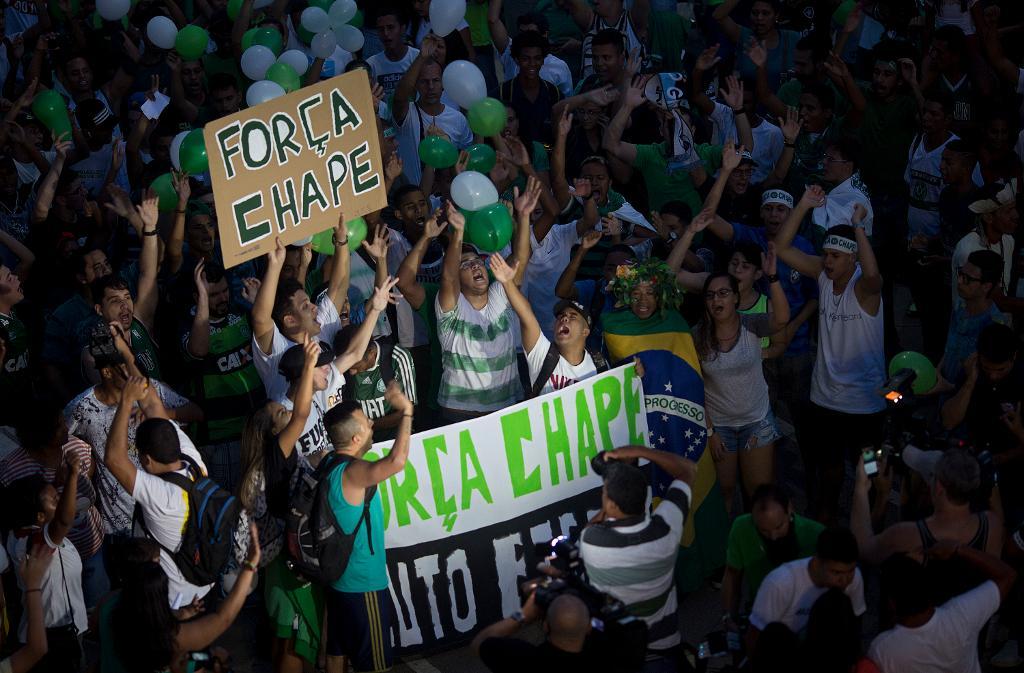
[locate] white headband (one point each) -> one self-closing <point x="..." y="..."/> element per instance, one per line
<point x="777" y="196"/>
<point x="840" y="244"/>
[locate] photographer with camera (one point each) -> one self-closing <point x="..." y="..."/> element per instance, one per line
<point x="566" y="624"/>
<point x="631" y="554"/>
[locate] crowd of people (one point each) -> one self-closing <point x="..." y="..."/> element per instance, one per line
<point x="781" y="183"/>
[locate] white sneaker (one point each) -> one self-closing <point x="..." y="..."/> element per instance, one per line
<point x="1007" y="657"/>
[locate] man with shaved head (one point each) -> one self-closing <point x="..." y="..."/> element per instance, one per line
<point x="566" y="625"/>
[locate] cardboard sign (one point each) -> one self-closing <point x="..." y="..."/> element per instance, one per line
<point x="287" y="169"/>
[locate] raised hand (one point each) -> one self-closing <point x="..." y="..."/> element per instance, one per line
<point x="117" y="156"/>
<point x="382" y="295"/>
<point x="518" y="153"/>
<point x="564" y="123"/>
<point x="731" y="156"/>
<point x="251" y="288"/>
<point x="526" y="202"/>
<point x="612" y="225"/>
<point x="859" y="213"/>
<point x="591" y="239"/>
<point x="814" y="197"/>
<point x="276" y="256"/>
<point x="791" y="125"/>
<point x="135" y="389"/>
<point x="432" y="228"/>
<point x="148" y="210"/>
<point x="203" y="296"/>
<point x="756" y="52"/>
<point x="707" y="59"/>
<point x="635" y="93"/>
<point x="581" y="187"/>
<point x="182" y="185"/>
<point x="455" y="218"/>
<point x="393" y="168"/>
<point x="908" y="70"/>
<point x="769" y="260"/>
<point x="311" y="349"/>
<point x="378" y="249"/>
<point x="503" y="273"/>
<point x="398" y="399"/>
<point x="701" y="221"/>
<point x="732" y="94"/>
<point x="120" y="203"/>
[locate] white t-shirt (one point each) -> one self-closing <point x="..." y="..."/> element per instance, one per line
<point x="387" y="73"/>
<point x="768" y="140"/>
<point x="565" y="373"/>
<point x="90" y="419"/>
<point x="165" y="508"/>
<point x="547" y="262"/>
<point x="946" y="643"/>
<point x="266" y="363"/>
<point x="412" y="129"/>
<point x="313" y="441"/>
<point x="977" y="241"/>
<point x="28" y="173"/>
<point x="788" y="594"/>
<point x="412" y="328"/>
<point x="554" y="70"/>
<point x="425" y="28"/>
<point x="93" y="171"/>
<point x="57" y="611"/>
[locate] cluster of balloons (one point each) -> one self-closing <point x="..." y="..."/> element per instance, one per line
<point x="488" y="222"/>
<point x="188" y="152"/>
<point x="324" y="241"/>
<point x="190" y="42"/>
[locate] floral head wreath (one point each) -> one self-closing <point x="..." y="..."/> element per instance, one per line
<point x="653" y="271"/>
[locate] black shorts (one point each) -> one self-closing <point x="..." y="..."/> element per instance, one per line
<point x="359" y="627"/>
<point x="838" y="435"/>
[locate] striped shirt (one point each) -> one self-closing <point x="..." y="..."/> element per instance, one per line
<point x="479" y="369"/>
<point x="87" y="529"/>
<point x="635" y="561"/>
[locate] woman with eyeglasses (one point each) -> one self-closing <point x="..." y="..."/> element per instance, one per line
<point x="741" y="427"/>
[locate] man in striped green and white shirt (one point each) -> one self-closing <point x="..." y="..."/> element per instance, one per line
<point x="631" y="554"/>
<point x="476" y="325"/>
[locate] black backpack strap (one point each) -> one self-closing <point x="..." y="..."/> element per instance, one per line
<point x="348" y="393"/>
<point x="550" y="363"/>
<point x="600" y="362"/>
<point x="337" y="459"/>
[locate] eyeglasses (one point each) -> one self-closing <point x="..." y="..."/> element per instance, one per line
<point x="471" y="263"/>
<point x="721" y="294"/>
<point x="965" y="278"/>
<point x="833" y="160"/>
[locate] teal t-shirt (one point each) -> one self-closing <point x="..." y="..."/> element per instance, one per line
<point x="365" y="571"/>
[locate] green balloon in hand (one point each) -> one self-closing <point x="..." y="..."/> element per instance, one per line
<point x="192" y="153"/>
<point x="50" y="108"/>
<point x="490" y="228"/>
<point x="163" y="185"/>
<point x="324" y="241"/>
<point x="437" y="152"/>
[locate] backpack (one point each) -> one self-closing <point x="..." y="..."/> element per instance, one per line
<point x="208" y="536"/>
<point x="318" y="549"/>
<point x="551" y="362"/>
<point x="387" y="370"/>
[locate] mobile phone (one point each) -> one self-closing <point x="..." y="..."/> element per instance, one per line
<point x="871" y="462"/>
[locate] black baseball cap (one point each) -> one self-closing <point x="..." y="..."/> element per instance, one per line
<point x="572" y="305"/>
<point x="94" y="116"/>
<point x="294" y="358"/>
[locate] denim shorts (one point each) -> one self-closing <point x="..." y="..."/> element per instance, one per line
<point x="747" y="437"/>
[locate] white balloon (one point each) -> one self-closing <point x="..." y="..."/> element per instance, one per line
<point x="341" y="12"/>
<point x="349" y="37"/>
<point x="324" y="44"/>
<point x="162" y="32"/>
<point x="296" y="59"/>
<point x="464" y="82"/>
<point x="445" y="15"/>
<point x="315" y="20"/>
<point x="262" y="91"/>
<point x="255" y="61"/>
<point x="112" y="10"/>
<point x="175" y="148"/>
<point x="472" y="190"/>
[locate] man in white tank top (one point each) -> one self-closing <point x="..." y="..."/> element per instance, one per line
<point x="846" y="409"/>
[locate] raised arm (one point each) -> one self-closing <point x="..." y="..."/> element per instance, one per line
<point x="875" y="548"/>
<point x="64" y="517"/>
<point x="186" y="108"/>
<point x="378" y="303"/>
<point x="1004" y="67"/>
<point x="499" y="34"/>
<point x="869" y="286"/>
<point x="407" y="270"/>
<point x="173" y="252"/>
<point x="722" y="15"/>
<point x="565" y="288"/>
<point x="523" y="205"/>
<point x="199" y="336"/>
<point x="612" y="140"/>
<point x="758" y="55"/>
<point x="303" y="398"/>
<point x="451" y="286"/>
<point x="32" y="573"/>
<point x="361" y="474"/>
<point x="790" y="126"/>
<point x="707" y="60"/>
<point x="677" y="467"/>
<point x="776" y="295"/>
<point x="988" y="565"/>
<point x="338" y="283"/>
<point x="263" y="307"/>
<point x="405" y="91"/>
<point x="48" y="187"/>
<point x="147" y="296"/>
<point x="26" y="258"/>
<point x="839" y="73"/>
<point x="732" y="95"/>
<point x="808" y="265"/>
<point x="506" y="275"/>
<point x="116" y="457"/>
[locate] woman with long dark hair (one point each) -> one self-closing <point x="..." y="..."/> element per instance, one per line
<point x="741" y="427"/>
<point x="148" y="638"/>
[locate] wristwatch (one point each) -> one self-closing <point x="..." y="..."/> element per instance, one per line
<point x="773" y="278"/>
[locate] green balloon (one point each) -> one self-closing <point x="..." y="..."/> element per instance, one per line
<point x="487" y="117"/>
<point x="324" y="241"/>
<point x="357" y="19"/>
<point x="481" y="158"/>
<point x="247" y="38"/>
<point x="234" y="7"/>
<point x="192" y="153"/>
<point x="921" y="365"/>
<point x="437" y="152"/>
<point x="269" y="38"/>
<point x="490" y="228"/>
<point x="191" y="42"/>
<point x="283" y="74"/>
<point x="163" y="185"/>
<point x="50" y="108"/>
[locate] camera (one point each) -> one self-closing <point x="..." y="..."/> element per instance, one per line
<point x="618" y="638"/>
<point x="102" y="349"/>
<point x="898" y="385"/>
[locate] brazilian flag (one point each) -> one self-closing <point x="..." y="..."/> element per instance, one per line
<point x="674" y="398"/>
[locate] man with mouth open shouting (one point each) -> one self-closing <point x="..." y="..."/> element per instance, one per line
<point x="476" y="326"/>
